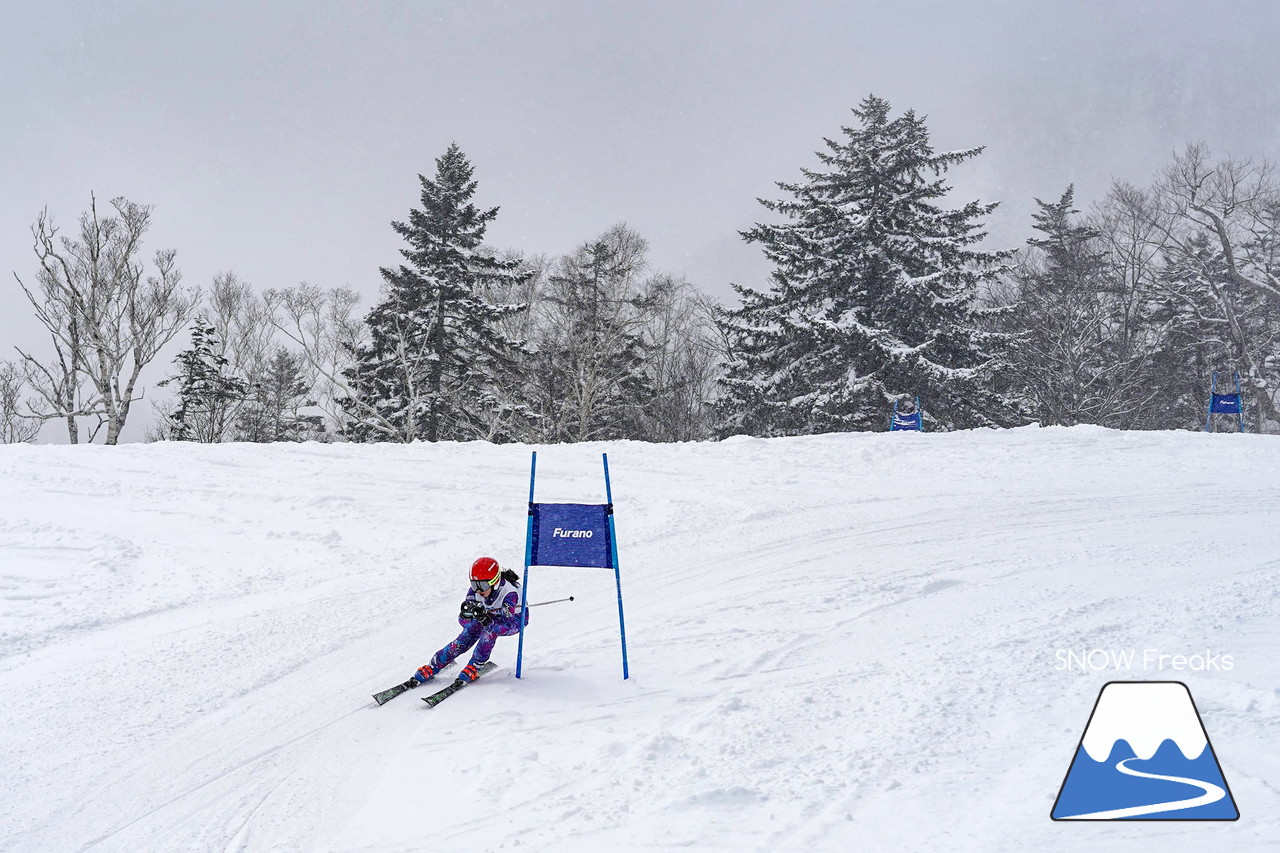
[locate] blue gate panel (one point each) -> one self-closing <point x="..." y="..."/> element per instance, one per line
<point x="901" y="422"/>
<point x="1225" y="404"/>
<point x="571" y="535"/>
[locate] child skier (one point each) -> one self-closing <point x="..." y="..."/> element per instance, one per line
<point x="491" y="609"/>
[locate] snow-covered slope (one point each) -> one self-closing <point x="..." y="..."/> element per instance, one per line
<point x="839" y="642"/>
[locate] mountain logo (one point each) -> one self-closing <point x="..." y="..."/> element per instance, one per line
<point x="1144" y="755"/>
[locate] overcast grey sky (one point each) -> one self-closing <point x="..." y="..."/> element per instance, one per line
<point x="279" y="139"/>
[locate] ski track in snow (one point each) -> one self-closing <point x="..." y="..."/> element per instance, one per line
<point x="837" y="642"/>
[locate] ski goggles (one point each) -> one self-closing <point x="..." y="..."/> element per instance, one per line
<point x="485" y="586"/>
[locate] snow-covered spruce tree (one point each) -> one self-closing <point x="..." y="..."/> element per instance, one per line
<point x="273" y="409"/>
<point x="436" y="366"/>
<point x="1076" y="356"/>
<point x="207" y="394"/>
<point x="874" y="294"/>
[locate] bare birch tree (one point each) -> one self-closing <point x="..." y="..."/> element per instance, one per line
<point x="590" y="379"/>
<point x="1138" y="329"/>
<point x="684" y="359"/>
<point x="107" y="318"/>
<point x="16" y="425"/>
<point x="1220" y="223"/>
<point x="1079" y="300"/>
<point x="322" y="326"/>
<point x="59" y="383"/>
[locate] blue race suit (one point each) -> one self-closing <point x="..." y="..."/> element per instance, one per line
<point x="503" y="606"/>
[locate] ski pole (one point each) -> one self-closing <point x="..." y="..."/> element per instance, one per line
<point x="552" y="601"/>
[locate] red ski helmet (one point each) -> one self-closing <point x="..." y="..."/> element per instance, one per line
<point x="486" y="569"/>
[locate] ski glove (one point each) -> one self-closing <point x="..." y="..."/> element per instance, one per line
<point x="475" y="610"/>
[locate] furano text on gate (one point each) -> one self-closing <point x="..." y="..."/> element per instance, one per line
<point x="562" y="533"/>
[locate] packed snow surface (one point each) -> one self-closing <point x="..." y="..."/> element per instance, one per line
<point x="842" y="642"/>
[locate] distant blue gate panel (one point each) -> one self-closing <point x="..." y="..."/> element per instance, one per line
<point x="571" y="535"/>
<point x="1225" y="404"/>
<point x="906" y="422"/>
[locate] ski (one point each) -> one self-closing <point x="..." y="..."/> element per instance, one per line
<point x="440" y="695"/>
<point x="392" y="692"/>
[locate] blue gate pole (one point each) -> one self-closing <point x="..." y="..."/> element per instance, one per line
<point x="528" y="558"/>
<point x="613" y="557"/>
<point x="1239" y="402"/>
<point x="1213" y="387"/>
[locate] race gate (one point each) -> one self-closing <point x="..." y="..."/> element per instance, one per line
<point x="913" y="421"/>
<point x="571" y="535"/>
<point x="1224" y="404"/>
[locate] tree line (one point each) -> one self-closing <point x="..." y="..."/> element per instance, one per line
<point x="1117" y="317"/>
<point x="466" y="342"/>
<point x="879" y="293"/>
